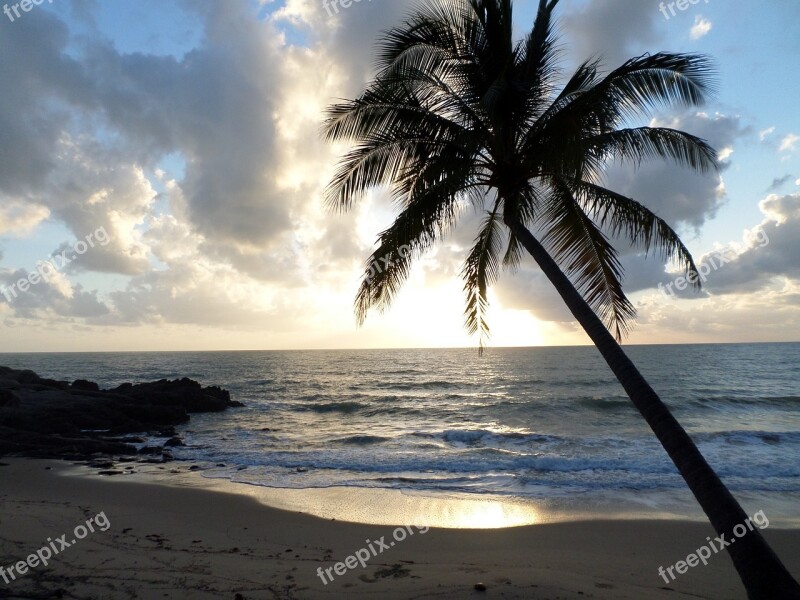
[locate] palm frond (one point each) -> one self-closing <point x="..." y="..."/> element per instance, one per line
<point x="587" y="256"/>
<point x="480" y="271"/>
<point x="523" y="209"/>
<point x="647" y="143"/>
<point x="374" y="163"/>
<point x="536" y="58"/>
<point x="668" y="79"/>
<point x="448" y="27"/>
<point x="514" y="252"/>
<point x="429" y="213"/>
<point x="623" y="216"/>
<point x="597" y="106"/>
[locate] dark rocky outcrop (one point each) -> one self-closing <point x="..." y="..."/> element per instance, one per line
<point x="46" y="418"/>
<point x="82" y="384"/>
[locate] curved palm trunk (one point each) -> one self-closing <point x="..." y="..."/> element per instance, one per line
<point x="761" y="571"/>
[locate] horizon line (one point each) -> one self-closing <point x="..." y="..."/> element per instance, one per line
<point x="475" y="348"/>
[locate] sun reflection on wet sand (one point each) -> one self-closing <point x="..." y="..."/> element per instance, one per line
<point x="397" y="507"/>
<point x="362" y="505"/>
<point x="393" y="507"/>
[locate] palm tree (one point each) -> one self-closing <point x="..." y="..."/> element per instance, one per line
<point x="460" y="113"/>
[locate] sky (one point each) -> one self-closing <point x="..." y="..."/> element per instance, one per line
<point x="165" y="158"/>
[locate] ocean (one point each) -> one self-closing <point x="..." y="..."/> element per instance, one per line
<point x="538" y="424"/>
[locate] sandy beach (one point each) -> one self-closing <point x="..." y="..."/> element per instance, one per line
<point x="399" y="299"/>
<point x="188" y="542"/>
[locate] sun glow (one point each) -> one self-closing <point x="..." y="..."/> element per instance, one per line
<point x="392" y="507"/>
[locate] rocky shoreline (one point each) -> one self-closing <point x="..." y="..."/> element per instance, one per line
<point x="45" y="418"/>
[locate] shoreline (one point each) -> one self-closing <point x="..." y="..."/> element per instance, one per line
<point x="441" y="509"/>
<point x="186" y="540"/>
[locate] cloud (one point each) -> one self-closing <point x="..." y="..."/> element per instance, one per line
<point x="778" y="183"/>
<point x="676" y="194"/>
<point x="751" y="289"/>
<point x="228" y="140"/>
<point x="788" y="143"/>
<point x="766" y="256"/>
<point x="52" y="298"/>
<point x="765" y="133"/>
<point x="39" y="74"/>
<point x="612" y="29"/>
<point x="700" y="28"/>
<point x="205" y="169"/>
<point x="18" y="218"/>
<point x="763" y="262"/>
<point x="767" y="316"/>
<point x="725" y="153"/>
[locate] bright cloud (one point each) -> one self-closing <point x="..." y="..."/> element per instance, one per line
<point x="19" y="219"/>
<point x="700" y="28"/>
<point x="788" y="143"/>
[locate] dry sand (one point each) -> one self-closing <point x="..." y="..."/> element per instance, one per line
<point x="188" y="542"/>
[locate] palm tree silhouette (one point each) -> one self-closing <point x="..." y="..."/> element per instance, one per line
<point x="459" y="113"/>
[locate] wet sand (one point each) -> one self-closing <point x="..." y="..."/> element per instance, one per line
<point x="195" y="540"/>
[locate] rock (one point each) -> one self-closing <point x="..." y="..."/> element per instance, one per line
<point x="186" y="393"/>
<point x="166" y="432"/>
<point x="46" y="418"/>
<point x="27" y="377"/>
<point x="128" y="439"/>
<point x="480" y="587"/>
<point x="151" y="450"/>
<point x="50" y="445"/>
<point x="8" y="398"/>
<point x="173" y="442"/>
<point x="82" y="384"/>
